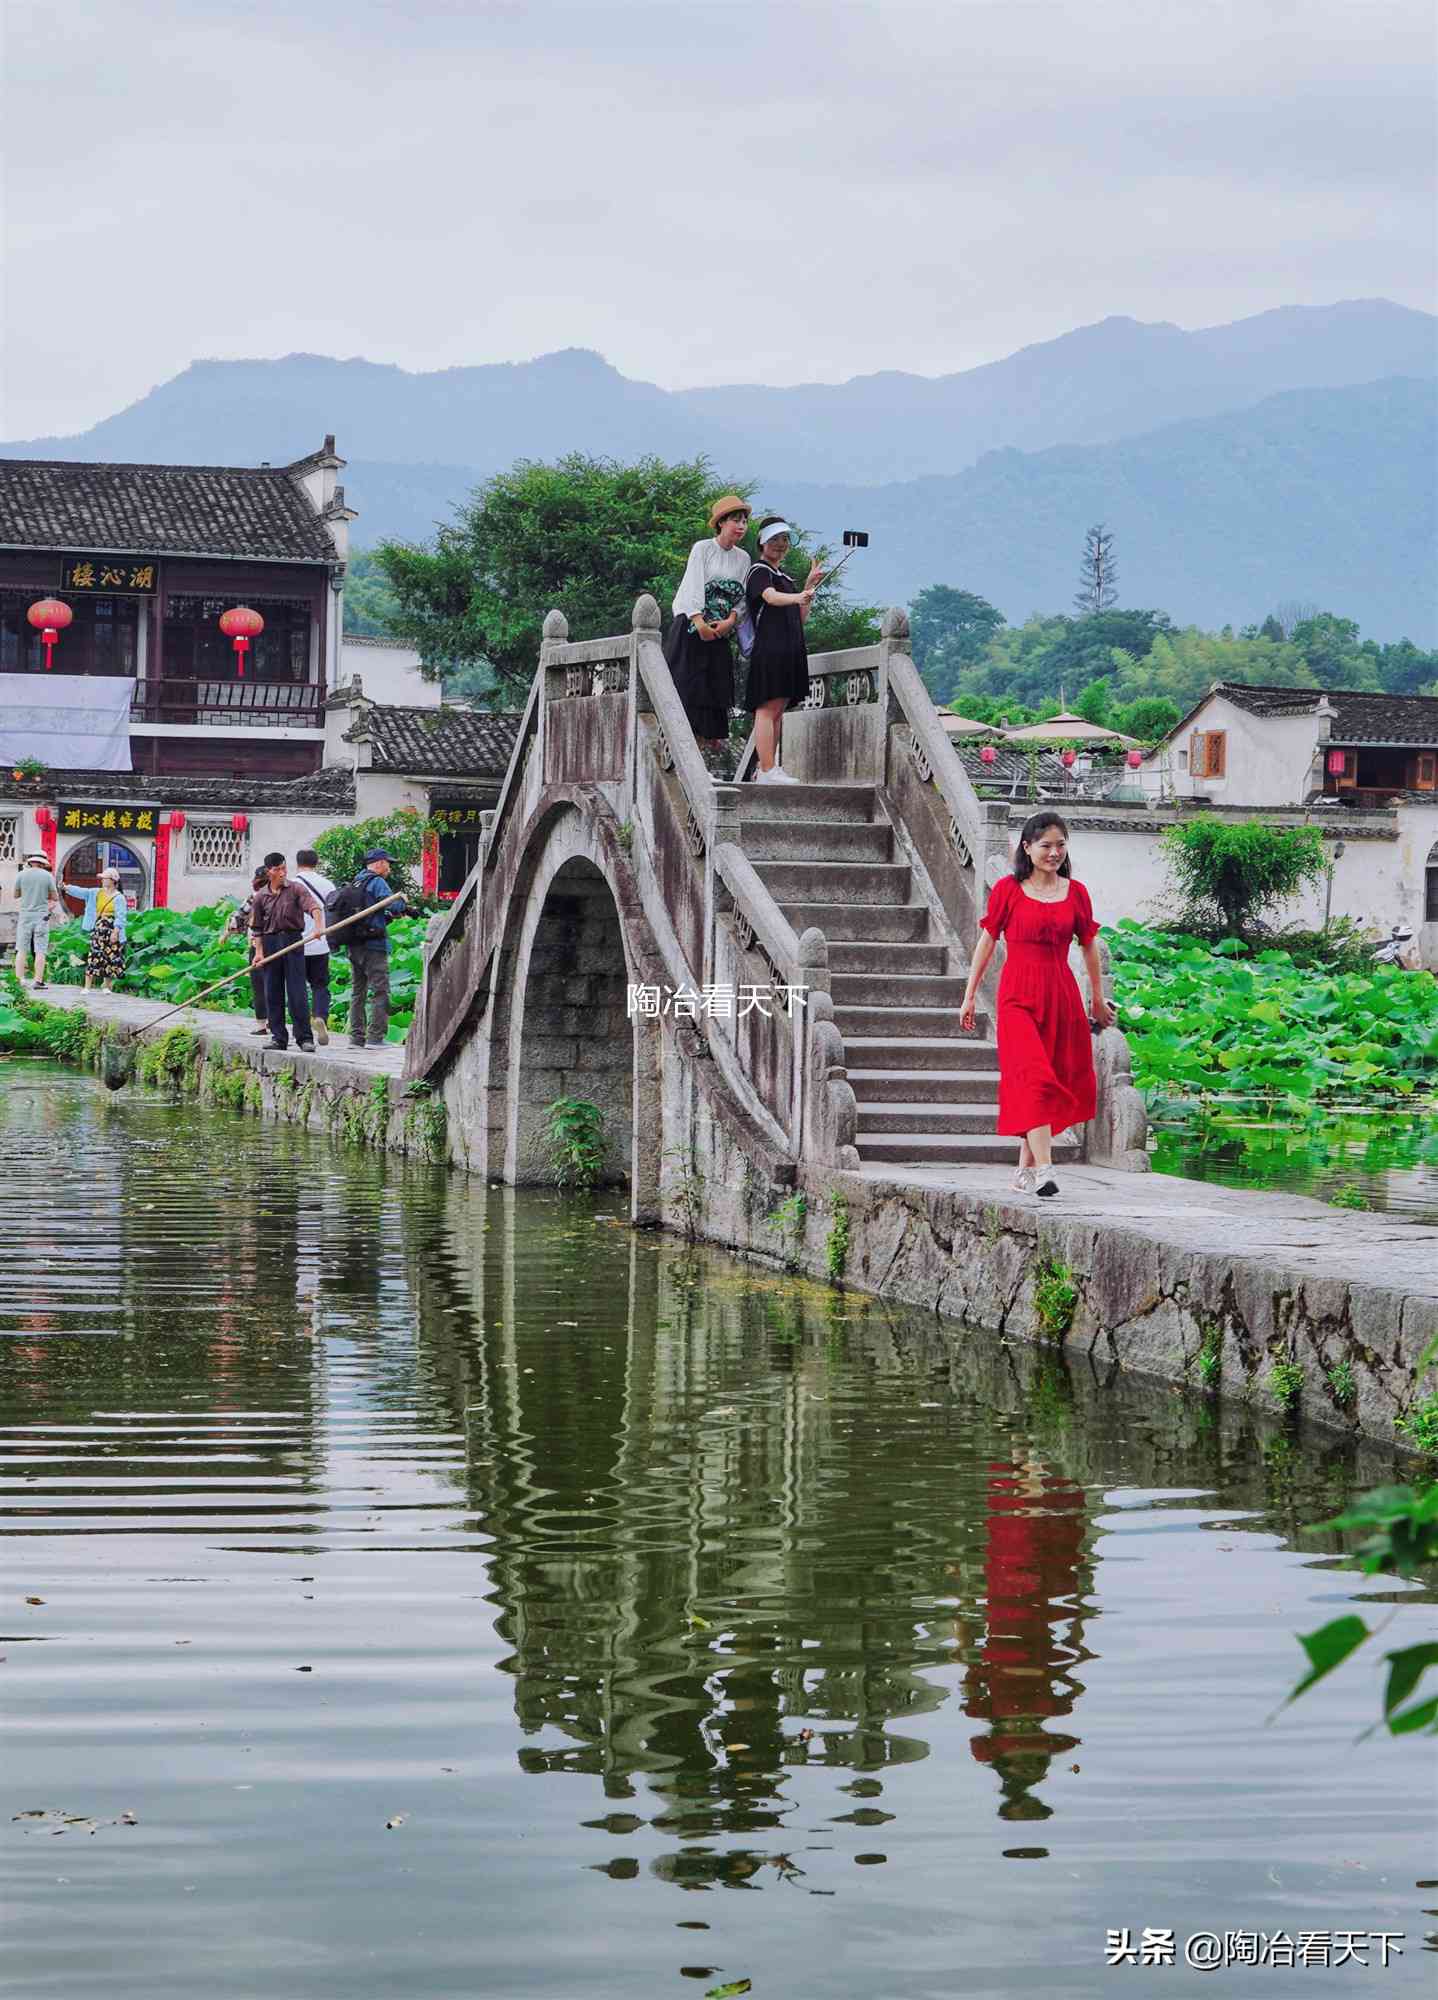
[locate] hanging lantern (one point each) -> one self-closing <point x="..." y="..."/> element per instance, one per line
<point x="49" y="617"/>
<point x="241" y="624"/>
<point x="1066" y="758"/>
<point x="988" y="754"/>
<point x="1135" y="759"/>
<point x="239" y="821"/>
<point x="1337" y="763"/>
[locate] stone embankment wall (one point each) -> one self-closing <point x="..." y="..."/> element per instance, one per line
<point x="1275" y="1299"/>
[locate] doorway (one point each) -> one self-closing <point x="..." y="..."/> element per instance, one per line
<point x="82" y="871"/>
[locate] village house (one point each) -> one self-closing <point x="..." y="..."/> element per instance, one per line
<point x="167" y="752"/>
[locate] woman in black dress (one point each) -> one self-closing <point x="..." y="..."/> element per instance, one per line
<point x="779" y="661"/>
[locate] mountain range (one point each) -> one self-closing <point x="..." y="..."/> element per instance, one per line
<point x="1284" y="455"/>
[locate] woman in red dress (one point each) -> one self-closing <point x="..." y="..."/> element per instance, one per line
<point x="1046" y="1079"/>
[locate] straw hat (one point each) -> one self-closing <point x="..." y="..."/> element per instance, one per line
<point x="729" y="504"/>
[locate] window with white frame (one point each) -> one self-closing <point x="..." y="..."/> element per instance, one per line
<point x="216" y="847"/>
<point x="9" y="837"/>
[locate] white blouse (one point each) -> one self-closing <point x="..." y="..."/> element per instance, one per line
<point x="707" y="561"/>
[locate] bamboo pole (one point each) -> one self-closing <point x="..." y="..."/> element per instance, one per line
<point x="244" y="971"/>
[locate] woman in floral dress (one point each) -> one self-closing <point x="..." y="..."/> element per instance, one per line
<point x="706" y="610"/>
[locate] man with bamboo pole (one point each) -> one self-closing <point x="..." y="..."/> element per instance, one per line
<point x="277" y="919"/>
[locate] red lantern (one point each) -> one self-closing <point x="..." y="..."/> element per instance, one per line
<point x="1066" y="758"/>
<point x="241" y="624"/>
<point x="1135" y="758"/>
<point x="177" y="822"/>
<point x="988" y="754"/>
<point x="49" y="617"/>
<point x="1337" y="763"/>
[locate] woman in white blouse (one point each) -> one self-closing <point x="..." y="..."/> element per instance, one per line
<point x="707" y="606"/>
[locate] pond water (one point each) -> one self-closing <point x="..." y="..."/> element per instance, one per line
<point x="465" y="1595"/>
<point x="1386" y="1156"/>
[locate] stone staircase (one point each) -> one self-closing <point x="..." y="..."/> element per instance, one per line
<point x="927" y="1093"/>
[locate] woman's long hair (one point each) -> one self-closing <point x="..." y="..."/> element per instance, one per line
<point x="1035" y="825"/>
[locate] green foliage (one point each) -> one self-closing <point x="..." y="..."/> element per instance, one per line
<point x="1285" y="1381"/>
<point x="1341" y="1382"/>
<point x="1240" y="868"/>
<point x="371" y="607"/>
<point x="170" y="1059"/>
<point x="836" y="1243"/>
<point x="1400" y="1526"/>
<point x="1348" y="1196"/>
<point x="1420" y="1425"/>
<point x="1203" y="1018"/>
<point x="28" y="767"/>
<point x="788" y="1218"/>
<point x="1210" y="1356"/>
<point x="1149" y="717"/>
<point x="684" y="1190"/>
<point x="342" y="849"/>
<point x="1055" y="1298"/>
<point x="949" y="630"/>
<point x="577" y="1143"/>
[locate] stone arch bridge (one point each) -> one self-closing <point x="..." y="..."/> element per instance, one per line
<point x="805" y="945"/>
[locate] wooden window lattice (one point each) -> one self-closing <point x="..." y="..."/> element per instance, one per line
<point x="216" y="848"/>
<point x="9" y="838"/>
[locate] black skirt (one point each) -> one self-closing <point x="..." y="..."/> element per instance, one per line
<point x="779" y="664"/>
<point x="703" y="674"/>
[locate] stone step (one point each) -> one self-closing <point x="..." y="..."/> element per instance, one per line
<point x="905" y="959"/>
<point x="925" y="1086"/>
<point x="878" y="1119"/>
<point x="851" y="803"/>
<point x="897" y="989"/>
<point x="894" y="1052"/>
<point x="831" y="882"/>
<point x="871" y="922"/>
<point x="919" y="1149"/>
<point x="930" y="1023"/>
<point x="815" y="840"/>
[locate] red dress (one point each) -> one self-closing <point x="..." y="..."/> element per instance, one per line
<point x="1045" y="1042"/>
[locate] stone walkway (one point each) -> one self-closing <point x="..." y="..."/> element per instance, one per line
<point x="1200" y="1216"/>
<point x="230" y="1031"/>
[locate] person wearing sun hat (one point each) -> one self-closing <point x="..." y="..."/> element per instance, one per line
<point x="39" y="899"/>
<point x="707" y="605"/>
<point x="779" y="662"/>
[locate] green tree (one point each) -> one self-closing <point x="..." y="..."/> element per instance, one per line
<point x="1148" y="718"/>
<point x="1095" y="704"/>
<point x="949" y="629"/>
<point x="370" y="605"/>
<point x="1098" y="573"/>
<point x="342" y="849"/>
<point x="1237" y="870"/>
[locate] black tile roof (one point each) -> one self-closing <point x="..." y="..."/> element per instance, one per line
<point x="439" y="742"/>
<point x="257" y="513"/>
<point x="1359" y="716"/>
<point x="329" y="790"/>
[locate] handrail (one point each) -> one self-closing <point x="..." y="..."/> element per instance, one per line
<point x="955" y="787"/>
<point x="772" y="929"/>
<point x="518" y="763"/>
<point x="668" y="710"/>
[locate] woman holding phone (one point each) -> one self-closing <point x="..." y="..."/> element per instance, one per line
<point x="1046" y="1073"/>
<point x="779" y="662"/>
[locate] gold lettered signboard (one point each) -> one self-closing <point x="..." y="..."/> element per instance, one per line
<point x="131" y="576"/>
<point x="108" y="819"/>
<point x="452" y="818"/>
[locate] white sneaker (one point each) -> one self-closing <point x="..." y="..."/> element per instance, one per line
<point x="321" y="1028"/>
<point x="1023" y="1180"/>
<point x="779" y="776"/>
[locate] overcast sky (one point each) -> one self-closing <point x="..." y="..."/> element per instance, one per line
<point x="705" y="193"/>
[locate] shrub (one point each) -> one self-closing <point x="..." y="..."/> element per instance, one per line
<point x="1241" y="868"/>
<point x="1055" y="1298"/>
<point x="577" y="1144"/>
<point x="342" y="849"/>
<point x="1285" y="1379"/>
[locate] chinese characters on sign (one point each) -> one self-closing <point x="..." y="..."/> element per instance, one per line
<point x="107" y="819"/>
<point x="458" y="815"/>
<point x="721" y="1002"/>
<point x="1206" y="1951"/>
<point x="130" y="575"/>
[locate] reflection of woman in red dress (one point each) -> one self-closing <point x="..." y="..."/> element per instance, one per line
<point x="1046" y="1079"/>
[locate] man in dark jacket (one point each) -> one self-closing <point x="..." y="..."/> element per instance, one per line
<point x="277" y="919"/>
<point x="369" y="956"/>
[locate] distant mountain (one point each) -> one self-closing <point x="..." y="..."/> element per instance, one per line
<point x="1117" y="379"/>
<point x="1320" y="494"/>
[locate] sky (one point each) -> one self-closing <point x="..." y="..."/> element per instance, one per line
<point x="704" y="193"/>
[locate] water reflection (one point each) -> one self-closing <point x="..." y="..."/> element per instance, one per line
<point x="620" y="1569"/>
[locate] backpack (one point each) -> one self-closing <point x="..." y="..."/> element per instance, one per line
<point x="346" y="901"/>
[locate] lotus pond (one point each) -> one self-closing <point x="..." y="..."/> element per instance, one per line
<point x="1261" y="1071"/>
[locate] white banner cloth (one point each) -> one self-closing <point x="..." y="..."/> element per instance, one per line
<point x="71" y="722"/>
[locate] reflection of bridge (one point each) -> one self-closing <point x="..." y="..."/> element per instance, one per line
<point x="612" y="862"/>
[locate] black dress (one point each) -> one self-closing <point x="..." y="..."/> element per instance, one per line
<point x="703" y="669"/>
<point x="779" y="663"/>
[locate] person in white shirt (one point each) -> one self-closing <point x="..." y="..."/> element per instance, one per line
<point x="316" y="953"/>
<point x="707" y="605"/>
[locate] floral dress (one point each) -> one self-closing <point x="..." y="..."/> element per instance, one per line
<point x="105" y="959"/>
<point x="703" y="669"/>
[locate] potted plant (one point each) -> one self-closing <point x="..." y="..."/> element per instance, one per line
<point x="29" y="774"/>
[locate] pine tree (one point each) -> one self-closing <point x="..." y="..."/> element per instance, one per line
<point x="1098" y="573"/>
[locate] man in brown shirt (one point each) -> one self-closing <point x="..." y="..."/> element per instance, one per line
<point x="277" y="919"/>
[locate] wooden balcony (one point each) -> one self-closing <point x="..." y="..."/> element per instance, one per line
<point x="247" y="704"/>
